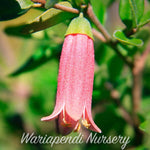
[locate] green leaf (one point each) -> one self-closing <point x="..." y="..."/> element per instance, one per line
<point x="16" y="31"/>
<point x="47" y="19"/>
<point x="145" y="103"/>
<point x="25" y="4"/>
<point x="78" y="3"/>
<point x="145" y="126"/>
<point x="145" y="19"/>
<point x="115" y="66"/>
<point x="103" y="54"/>
<point x="40" y="57"/>
<point x="99" y="9"/>
<point x="125" y="13"/>
<point x="137" y="7"/>
<point x="131" y="11"/>
<point x="142" y="147"/>
<point x="120" y="36"/>
<point x="10" y="9"/>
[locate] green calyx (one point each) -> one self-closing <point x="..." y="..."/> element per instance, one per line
<point x="80" y="25"/>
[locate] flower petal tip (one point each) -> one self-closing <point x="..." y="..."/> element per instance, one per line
<point x="42" y="119"/>
<point x="45" y="119"/>
<point x="100" y="131"/>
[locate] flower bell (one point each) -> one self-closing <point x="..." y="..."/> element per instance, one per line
<point x="75" y="79"/>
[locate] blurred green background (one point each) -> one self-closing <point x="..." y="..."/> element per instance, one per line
<point x="25" y="98"/>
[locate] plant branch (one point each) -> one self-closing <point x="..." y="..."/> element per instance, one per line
<point x="35" y="5"/>
<point x="105" y="37"/>
<point x="98" y="35"/>
<point x="140" y="62"/>
<point x="125" y="114"/>
<point x="68" y="9"/>
<point x="94" y="19"/>
<point x="136" y="89"/>
<point x="127" y="117"/>
<point x="115" y="96"/>
<point x="39" y="1"/>
<point x="57" y="6"/>
<point x="113" y="45"/>
<point x="137" y="70"/>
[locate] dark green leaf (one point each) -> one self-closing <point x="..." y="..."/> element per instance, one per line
<point x="10" y="9"/>
<point x="125" y="13"/>
<point x="131" y="12"/>
<point x="120" y="36"/>
<point x="40" y="57"/>
<point x="103" y="54"/>
<point x="16" y="31"/>
<point x="115" y="67"/>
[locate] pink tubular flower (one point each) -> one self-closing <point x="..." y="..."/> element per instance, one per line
<point x="75" y="80"/>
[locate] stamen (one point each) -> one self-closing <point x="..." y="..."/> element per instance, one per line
<point x="65" y="123"/>
<point x="77" y="128"/>
<point x="86" y="124"/>
<point x="64" y="120"/>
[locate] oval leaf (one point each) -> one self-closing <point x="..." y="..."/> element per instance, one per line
<point x="16" y="31"/>
<point x="131" y="11"/>
<point x="47" y="19"/>
<point x="10" y="9"/>
<point x="120" y="36"/>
